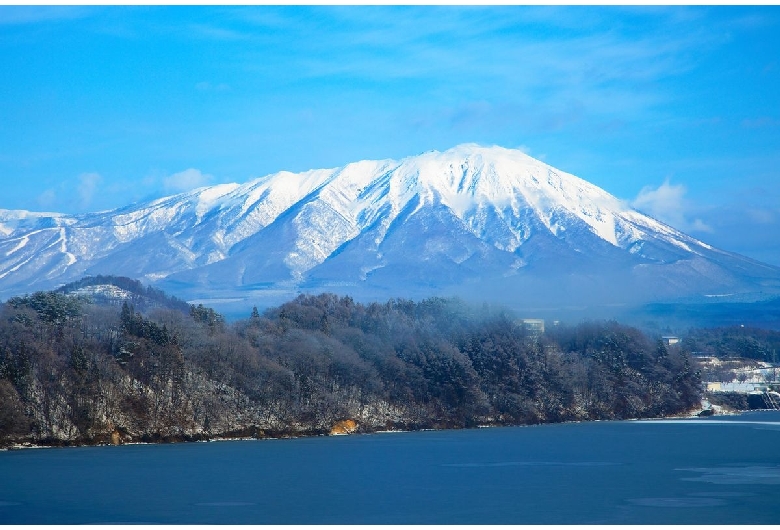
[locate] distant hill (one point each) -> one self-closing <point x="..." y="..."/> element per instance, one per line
<point x="115" y="290"/>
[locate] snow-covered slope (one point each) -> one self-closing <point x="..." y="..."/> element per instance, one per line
<point x="485" y="217"/>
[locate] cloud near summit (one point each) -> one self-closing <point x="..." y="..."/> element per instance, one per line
<point x="187" y="180"/>
<point x="667" y="203"/>
<point x="88" y="187"/>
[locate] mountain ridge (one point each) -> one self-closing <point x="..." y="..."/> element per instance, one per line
<point x="431" y="222"/>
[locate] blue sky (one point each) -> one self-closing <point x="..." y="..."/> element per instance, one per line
<point x="675" y="109"/>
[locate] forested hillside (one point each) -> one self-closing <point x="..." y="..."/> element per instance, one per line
<point x="73" y="371"/>
<point x="735" y="341"/>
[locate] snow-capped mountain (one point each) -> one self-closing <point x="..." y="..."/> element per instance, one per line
<point x="486" y="219"/>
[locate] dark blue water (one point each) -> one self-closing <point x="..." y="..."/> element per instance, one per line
<point x="709" y="471"/>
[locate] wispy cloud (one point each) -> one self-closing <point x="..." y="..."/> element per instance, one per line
<point x="36" y="14"/>
<point x="187" y="180"/>
<point x="546" y="58"/>
<point x="87" y="187"/>
<point x="559" y="68"/>
<point x="210" y="31"/>
<point x="762" y="216"/>
<point x="758" y="123"/>
<point x="667" y="203"/>
<point x="47" y="198"/>
<point x="419" y="40"/>
<point x="750" y="230"/>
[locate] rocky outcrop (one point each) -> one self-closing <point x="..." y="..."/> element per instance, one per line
<point x="344" y="427"/>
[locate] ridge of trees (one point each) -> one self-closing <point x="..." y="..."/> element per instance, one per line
<point x="735" y="341"/>
<point x="76" y="372"/>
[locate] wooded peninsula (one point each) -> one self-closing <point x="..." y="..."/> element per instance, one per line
<point x="150" y="368"/>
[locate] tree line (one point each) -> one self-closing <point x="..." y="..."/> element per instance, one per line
<point x="735" y="342"/>
<point x="73" y="371"/>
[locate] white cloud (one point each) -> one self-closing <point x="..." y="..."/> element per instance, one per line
<point x="47" y="198"/>
<point x="700" y="226"/>
<point x="757" y="123"/>
<point x="663" y="201"/>
<point x="88" y="184"/>
<point x="187" y="180"/>
<point x="527" y="150"/>
<point x="667" y="203"/>
<point x="761" y="216"/>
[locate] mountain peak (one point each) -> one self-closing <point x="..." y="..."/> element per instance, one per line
<point x="470" y="215"/>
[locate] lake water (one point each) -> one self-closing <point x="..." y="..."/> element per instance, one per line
<point x="704" y="471"/>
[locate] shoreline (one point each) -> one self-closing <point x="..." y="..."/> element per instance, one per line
<point x="62" y="444"/>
